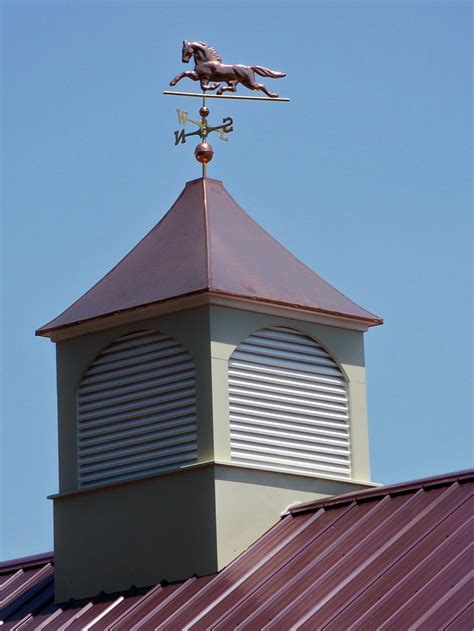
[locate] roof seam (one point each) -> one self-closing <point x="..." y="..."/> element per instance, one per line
<point x="269" y="555"/>
<point x="368" y="613"/>
<point x="377" y="576"/>
<point x="279" y="568"/>
<point x="309" y="613"/>
<point x="393" y="489"/>
<point x="321" y="556"/>
<point x="428" y="586"/>
<point x="207" y="244"/>
<point x="30" y="561"/>
<point x="456" y="615"/>
<point x="139" y="603"/>
<point x="165" y="603"/>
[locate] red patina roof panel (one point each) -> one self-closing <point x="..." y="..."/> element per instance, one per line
<point x="207" y="243"/>
<point x="394" y="557"/>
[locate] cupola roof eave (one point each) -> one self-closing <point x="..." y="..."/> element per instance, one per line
<point x="207" y="243"/>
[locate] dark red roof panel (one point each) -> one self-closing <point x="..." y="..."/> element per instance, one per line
<point x="398" y="557"/>
<point x="169" y="261"/>
<point x="246" y="261"/>
<point x="206" y="242"/>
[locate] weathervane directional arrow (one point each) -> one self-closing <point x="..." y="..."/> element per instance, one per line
<point x="211" y="73"/>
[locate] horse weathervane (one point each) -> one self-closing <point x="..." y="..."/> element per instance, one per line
<point x="211" y="74"/>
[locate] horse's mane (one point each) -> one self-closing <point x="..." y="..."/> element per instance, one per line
<point x="214" y="54"/>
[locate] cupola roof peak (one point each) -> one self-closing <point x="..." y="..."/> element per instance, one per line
<point x="207" y="243"/>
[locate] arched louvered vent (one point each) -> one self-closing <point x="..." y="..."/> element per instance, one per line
<point x="136" y="410"/>
<point x="288" y="405"/>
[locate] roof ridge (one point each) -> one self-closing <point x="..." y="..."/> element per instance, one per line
<point x="28" y="561"/>
<point x="207" y="235"/>
<point x="390" y="489"/>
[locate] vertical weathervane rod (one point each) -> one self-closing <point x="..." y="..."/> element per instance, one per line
<point x="204" y="114"/>
<point x="212" y="74"/>
<point x="204" y="119"/>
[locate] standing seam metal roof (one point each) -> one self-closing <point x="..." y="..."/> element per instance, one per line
<point x="392" y="558"/>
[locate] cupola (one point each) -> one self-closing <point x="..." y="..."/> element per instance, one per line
<point x="209" y="380"/>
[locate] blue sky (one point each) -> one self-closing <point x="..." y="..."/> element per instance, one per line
<point x="365" y="176"/>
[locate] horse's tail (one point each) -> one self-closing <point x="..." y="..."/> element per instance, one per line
<point x="266" y="72"/>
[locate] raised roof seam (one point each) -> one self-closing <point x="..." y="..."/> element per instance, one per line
<point x="390" y="490"/>
<point x="206" y="234"/>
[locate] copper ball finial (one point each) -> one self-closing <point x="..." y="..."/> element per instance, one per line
<point x="204" y="152"/>
<point x="204" y="111"/>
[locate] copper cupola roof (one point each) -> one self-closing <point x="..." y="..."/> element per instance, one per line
<point x="207" y="243"/>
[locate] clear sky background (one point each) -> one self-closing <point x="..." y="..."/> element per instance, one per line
<point x="365" y="176"/>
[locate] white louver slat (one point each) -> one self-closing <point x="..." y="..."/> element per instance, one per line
<point x="136" y="410"/>
<point x="288" y="405"/>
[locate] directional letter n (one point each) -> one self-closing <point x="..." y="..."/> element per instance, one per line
<point x="179" y="136"/>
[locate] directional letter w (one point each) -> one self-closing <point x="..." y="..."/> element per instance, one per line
<point x="182" y="117"/>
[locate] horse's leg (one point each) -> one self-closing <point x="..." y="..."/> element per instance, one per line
<point x="206" y="86"/>
<point x="231" y="87"/>
<point x="190" y="74"/>
<point x="249" y="82"/>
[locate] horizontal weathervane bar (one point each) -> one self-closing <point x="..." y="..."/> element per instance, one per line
<point x="222" y="96"/>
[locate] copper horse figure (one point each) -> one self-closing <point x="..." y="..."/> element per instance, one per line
<point x="209" y="68"/>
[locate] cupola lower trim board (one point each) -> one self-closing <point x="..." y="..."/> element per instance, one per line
<point x="183" y="435"/>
